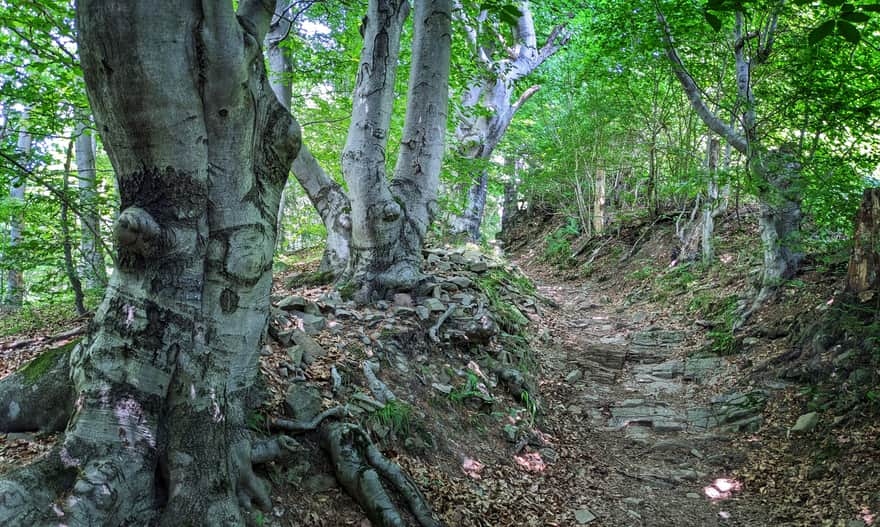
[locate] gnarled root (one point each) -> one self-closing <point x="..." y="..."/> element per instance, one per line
<point x="360" y="468"/>
<point x="27" y="493"/>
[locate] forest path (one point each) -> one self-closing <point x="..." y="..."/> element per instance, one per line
<point x="640" y="436"/>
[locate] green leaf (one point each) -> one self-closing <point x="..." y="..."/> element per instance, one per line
<point x="847" y="8"/>
<point x="833" y="3"/>
<point x="855" y="17"/>
<point x="874" y="8"/>
<point x="712" y="20"/>
<point x="848" y="31"/>
<point x="817" y="34"/>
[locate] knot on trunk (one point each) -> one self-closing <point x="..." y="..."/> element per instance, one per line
<point x="137" y="233"/>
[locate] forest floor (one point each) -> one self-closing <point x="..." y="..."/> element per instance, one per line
<point x="636" y="419"/>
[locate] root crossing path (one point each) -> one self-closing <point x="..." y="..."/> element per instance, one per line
<point x="643" y="432"/>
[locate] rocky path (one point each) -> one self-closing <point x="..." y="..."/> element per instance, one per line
<point x="640" y="433"/>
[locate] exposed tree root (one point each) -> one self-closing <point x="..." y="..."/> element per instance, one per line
<point x="272" y="449"/>
<point x="434" y="332"/>
<point x="360" y="468"/>
<point x="39" y="396"/>
<point x="306" y="426"/>
<point x="27" y="494"/>
<point x="380" y="391"/>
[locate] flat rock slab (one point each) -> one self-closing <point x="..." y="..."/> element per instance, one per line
<point x="654" y="345"/>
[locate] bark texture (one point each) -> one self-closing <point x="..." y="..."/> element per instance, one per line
<point x="92" y="268"/>
<point x="389" y="221"/>
<point x="863" y="275"/>
<point x="478" y="133"/>
<point x="201" y="151"/>
<point x="326" y="195"/>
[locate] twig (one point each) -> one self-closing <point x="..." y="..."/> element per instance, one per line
<point x="45" y="340"/>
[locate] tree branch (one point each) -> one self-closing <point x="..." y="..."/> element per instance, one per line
<point x="692" y="91"/>
<point x="525" y="96"/>
<point x="256" y="16"/>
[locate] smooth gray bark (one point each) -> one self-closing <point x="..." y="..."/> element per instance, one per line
<point x="15" y="277"/>
<point x="92" y="268"/>
<point x="201" y="151"/>
<point x="478" y="133"/>
<point x="326" y="195"/>
<point x="389" y="222"/>
<point x="778" y="173"/>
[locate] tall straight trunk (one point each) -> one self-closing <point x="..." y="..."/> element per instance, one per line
<point x="165" y="381"/>
<point x="69" y="267"/>
<point x="15" y="277"/>
<point x="863" y="274"/>
<point x="716" y="200"/>
<point x="92" y="268"/>
<point x="478" y="134"/>
<point x="389" y="222"/>
<point x="599" y="201"/>
<point x="326" y="195"/>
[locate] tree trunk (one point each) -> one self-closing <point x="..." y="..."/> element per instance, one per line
<point x="716" y="201"/>
<point x="326" y="195"/>
<point x="863" y="275"/>
<point x="164" y="383"/>
<point x="510" y="207"/>
<point x="599" y="201"/>
<point x="69" y="266"/>
<point x="472" y="218"/>
<point x="389" y="222"/>
<point x="15" y="277"/>
<point x="92" y="268"/>
<point x="779" y="200"/>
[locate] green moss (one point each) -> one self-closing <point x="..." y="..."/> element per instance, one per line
<point x="42" y="363"/>
<point x="315" y="278"/>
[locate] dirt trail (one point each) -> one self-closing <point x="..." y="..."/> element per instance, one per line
<point x="639" y="436"/>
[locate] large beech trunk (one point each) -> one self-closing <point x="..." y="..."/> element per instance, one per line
<point x="201" y="151"/>
<point x="863" y="275"/>
<point x="389" y="221"/>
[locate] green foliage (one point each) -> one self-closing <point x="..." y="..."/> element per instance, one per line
<point x="558" y="244"/>
<point x="311" y="279"/>
<point x="473" y="387"/>
<point x="396" y="415"/>
<point x="722" y="341"/>
<point x="493" y="283"/>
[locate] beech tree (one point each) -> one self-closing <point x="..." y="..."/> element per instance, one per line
<point x="776" y="170"/>
<point x="389" y="220"/>
<point x="326" y="195"/>
<point x="163" y="384"/>
<point x="92" y="267"/>
<point x="478" y="132"/>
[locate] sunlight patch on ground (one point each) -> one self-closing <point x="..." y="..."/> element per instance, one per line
<point x="722" y="489"/>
